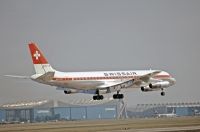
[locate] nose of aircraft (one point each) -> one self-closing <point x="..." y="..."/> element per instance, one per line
<point x="173" y="80"/>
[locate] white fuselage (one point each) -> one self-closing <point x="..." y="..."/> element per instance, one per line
<point x="102" y="79"/>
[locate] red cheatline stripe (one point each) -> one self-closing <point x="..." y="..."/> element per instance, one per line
<point x="103" y="78"/>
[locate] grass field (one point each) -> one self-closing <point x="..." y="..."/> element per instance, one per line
<point x="103" y="125"/>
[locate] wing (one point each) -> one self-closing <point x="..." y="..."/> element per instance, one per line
<point x="115" y="86"/>
<point x="145" y="78"/>
<point x="114" y="83"/>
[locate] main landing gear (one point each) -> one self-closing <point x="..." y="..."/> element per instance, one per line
<point x="98" y="96"/>
<point x="118" y="96"/>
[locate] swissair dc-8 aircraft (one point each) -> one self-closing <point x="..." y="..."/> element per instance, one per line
<point x="97" y="82"/>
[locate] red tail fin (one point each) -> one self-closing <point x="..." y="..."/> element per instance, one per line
<point x="37" y="56"/>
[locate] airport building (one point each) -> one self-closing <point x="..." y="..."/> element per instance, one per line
<point x="48" y="110"/>
<point x="41" y="111"/>
<point x="165" y="109"/>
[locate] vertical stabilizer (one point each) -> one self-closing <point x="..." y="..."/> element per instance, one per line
<point x="40" y="63"/>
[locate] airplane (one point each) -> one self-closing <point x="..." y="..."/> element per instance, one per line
<point x="167" y="114"/>
<point x="96" y="82"/>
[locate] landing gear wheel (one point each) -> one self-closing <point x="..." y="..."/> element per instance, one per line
<point x="101" y="97"/>
<point x="114" y="96"/>
<point x="121" y="96"/>
<point x="98" y="97"/>
<point x="118" y="96"/>
<point x="94" y="97"/>
<point x="162" y="93"/>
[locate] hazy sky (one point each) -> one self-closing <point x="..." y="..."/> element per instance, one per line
<point x="84" y="35"/>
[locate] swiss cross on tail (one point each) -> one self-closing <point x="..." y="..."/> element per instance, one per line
<point x="37" y="56"/>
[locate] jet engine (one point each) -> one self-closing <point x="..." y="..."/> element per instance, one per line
<point x="159" y="85"/>
<point x="70" y="91"/>
<point x="146" y="89"/>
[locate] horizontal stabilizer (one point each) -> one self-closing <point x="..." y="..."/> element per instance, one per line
<point x="45" y="77"/>
<point x="16" y="76"/>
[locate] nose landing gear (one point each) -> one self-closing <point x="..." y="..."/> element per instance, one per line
<point x="162" y="93"/>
